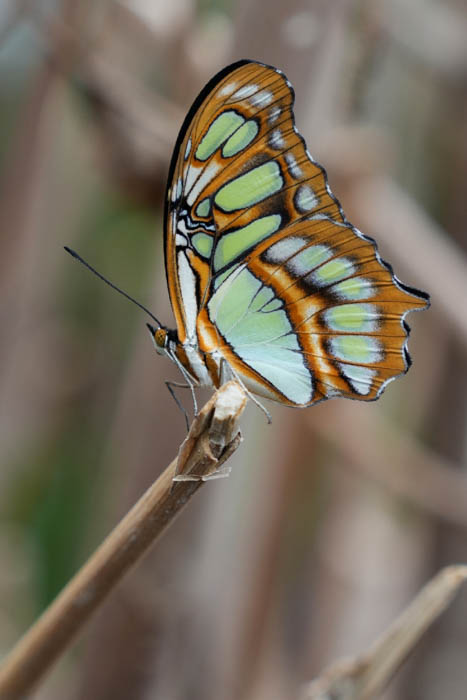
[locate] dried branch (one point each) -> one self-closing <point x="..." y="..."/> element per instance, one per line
<point x="366" y="675"/>
<point x="212" y="438"/>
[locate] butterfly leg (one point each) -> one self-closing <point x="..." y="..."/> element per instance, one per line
<point x="227" y="370"/>
<point x="188" y="379"/>
<point x="170" y="386"/>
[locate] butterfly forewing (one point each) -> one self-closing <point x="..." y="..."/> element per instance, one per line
<point x="240" y="156"/>
<point x="263" y="268"/>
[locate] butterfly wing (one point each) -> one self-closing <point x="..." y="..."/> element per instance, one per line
<point x="263" y="268"/>
<point x="225" y="134"/>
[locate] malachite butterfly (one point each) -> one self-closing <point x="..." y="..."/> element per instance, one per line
<point x="268" y="280"/>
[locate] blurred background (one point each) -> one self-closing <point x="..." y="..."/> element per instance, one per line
<point x="333" y="517"/>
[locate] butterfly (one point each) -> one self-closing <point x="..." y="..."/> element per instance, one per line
<point x="269" y="282"/>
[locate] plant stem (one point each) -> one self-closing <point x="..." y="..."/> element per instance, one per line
<point x="211" y="440"/>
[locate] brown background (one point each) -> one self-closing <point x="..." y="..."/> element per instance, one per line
<point x="333" y="517"/>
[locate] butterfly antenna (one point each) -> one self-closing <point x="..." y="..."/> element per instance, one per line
<point x="74" y="254"/>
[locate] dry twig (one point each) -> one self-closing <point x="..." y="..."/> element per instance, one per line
<point x="366" y="675"/>
<point x="213" y="437"/>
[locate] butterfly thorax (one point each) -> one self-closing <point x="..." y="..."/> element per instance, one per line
<point x="202" y="369"/>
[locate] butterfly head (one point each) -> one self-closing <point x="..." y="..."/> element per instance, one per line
<point x="161" y="337"/>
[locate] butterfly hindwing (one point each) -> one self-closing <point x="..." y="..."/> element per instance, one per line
<point x="263" y="268"/>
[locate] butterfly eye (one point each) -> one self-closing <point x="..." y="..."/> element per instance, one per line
<point x="160" y="337"/>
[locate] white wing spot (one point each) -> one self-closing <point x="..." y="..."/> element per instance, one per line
<point x="245" y="91"/>
<point x="305" y="199"/>
<point x="274" y="114"/>
<point x="294" y="168"/>
<point x="227" y="89"/>
<point x="191" y="173"/>
<point x="188" y="148"/>
<point x="204" y="179"/>
<point x="360" y="378"/>
<point x="276" y="140"/>
<point x="261" y="99"/>
<point x="283" y="249"/>
<point x="188" y="291"/>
